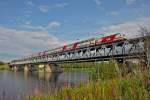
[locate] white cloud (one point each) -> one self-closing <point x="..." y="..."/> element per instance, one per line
<point x="51" y="25"/>
<point x="29" y="7"/>
<point x="34" y="28"/>
<point x="44" y="8"/>
<point x="113" y="13"/>
<point x="30" y="3"/>
<point x="130" y="28"/>
<point x="60" y="5"/>
<point x="98" y="2"/>
<point x="54" y="24"/>
<point x="28" y="23"/>
<point x="130" y="1"/>
<point x="14" y="43"/>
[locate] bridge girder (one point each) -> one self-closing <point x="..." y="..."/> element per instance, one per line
<point x="133" y="48"/>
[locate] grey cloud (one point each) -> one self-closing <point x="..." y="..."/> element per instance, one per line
<point x="15" y="42"/>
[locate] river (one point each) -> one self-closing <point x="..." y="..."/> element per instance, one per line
<point x="16" y="85"/>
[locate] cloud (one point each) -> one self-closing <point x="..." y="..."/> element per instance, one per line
<point x="46" y="8"/>
<point x="29" y="7"/>
<point x="130" y="1"/>
<point x="34" y="28"/>
<point x="130" y="28"/>
<point x="30" y="3"/>
<point x="51" y="25"/>
<point x="28" y="23"/>
<point x="60" y="5"/>
<point x="18" y="43"/>
<point x="54" y="24"/>
<point x="113" y="13"/>
<point x="98" y="2"/>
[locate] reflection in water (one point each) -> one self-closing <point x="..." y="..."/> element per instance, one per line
<point x="25" y="75"/>
<point x="15" y="85"/>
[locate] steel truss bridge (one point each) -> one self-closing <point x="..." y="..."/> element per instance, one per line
<point x="125" y="49"/>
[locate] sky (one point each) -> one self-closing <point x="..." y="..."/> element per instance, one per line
<point x="30" y="26"/>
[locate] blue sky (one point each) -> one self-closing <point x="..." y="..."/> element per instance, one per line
<point x="28" y="26"/>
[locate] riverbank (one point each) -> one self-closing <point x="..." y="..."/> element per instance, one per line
<point x="4" y="66"/>
<point x="109" y="81"/>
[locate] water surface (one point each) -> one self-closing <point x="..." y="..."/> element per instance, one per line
<point x="15" y="85"/>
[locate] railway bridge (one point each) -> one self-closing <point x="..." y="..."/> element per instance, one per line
<point x="119" y="50"/>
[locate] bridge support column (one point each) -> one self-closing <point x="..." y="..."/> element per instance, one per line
<point x="15" y="68"/>
<point x="26" y="68"/>
<point x="52" y="68"/>
<point x="47" y="68"/>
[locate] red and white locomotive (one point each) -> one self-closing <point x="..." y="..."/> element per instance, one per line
<point x="94" y="41"/>
<point x="111" y="38"/>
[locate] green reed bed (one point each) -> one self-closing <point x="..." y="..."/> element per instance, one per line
<point x="106" y="70"/>
<point x="109" y="81"/>
<point x="107" y="90"/>
<point x="127" y="88"/>
<point x="93" y="67"/>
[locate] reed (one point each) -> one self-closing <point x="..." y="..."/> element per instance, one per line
<point x="109" y="81"/>
<point x="125" y="88"/>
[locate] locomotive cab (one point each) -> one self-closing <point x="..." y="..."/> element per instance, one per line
<point x="120" y="37"/>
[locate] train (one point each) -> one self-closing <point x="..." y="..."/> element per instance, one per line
<point x="94" y="41"/>
<point x="85" y="43"/>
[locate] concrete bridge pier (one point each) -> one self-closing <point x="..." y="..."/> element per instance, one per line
<point x="52" y="68"/>
<point x="17" y="68"/>
<point x="14" y="68"/>
<point x="26" y="68"/>
<point x="47" y="68"/>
